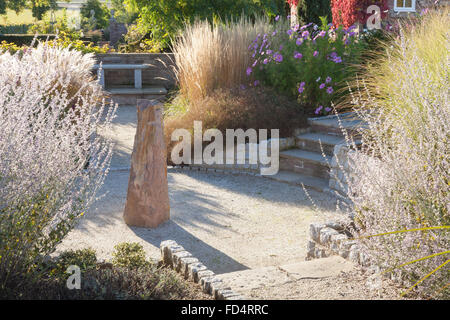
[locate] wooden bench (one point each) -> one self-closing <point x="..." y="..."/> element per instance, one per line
<point x="136" y="67"/>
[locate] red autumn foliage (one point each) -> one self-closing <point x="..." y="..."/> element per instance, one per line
<point x="348" y="12"/>
<point x="293" y="2"/>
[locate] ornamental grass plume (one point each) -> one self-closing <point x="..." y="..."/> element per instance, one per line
<point x="52" y="161"/>
<point x="212" y="56"/>
<point x="399" y="184"/>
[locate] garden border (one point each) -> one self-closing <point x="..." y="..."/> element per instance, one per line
<point x="176" y="257"/>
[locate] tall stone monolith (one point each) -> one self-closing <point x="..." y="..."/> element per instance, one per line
<point x="147" y="202"/>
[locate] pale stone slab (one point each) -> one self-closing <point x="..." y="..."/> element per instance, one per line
<point x="320" y="268"/>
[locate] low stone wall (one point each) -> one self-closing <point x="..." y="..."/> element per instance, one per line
<point x="160" y="74"/>
<point x="340" y="169"/>
<point x="182" y="261"/>
<point x="247" y="167"/>
<point x="333" y="238"/>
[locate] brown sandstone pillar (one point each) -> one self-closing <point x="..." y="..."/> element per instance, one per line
<point x="147" y="202"/>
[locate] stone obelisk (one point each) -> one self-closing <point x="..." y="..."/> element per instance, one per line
<point x="147" y="202"/>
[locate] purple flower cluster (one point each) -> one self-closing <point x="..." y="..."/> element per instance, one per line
<point x="320" y="108"/>
<point x="334" y="57"/>
<point x="278" y="57"/>
<point x="299" y="45"/>
<point x="301" y="87"/>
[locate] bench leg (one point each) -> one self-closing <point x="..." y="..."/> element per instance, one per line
<point x="101" y="77"/>
<point x="138" y="78"/>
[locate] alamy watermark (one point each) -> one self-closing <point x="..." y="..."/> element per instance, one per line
<point x="374" y="20"/>
<point x="265" y="153"/>
<point x="74" y="280"/>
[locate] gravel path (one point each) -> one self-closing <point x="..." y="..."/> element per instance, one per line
<point x="229" y="222"/>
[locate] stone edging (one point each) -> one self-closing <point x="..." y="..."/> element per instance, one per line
<point x="182" y="261"/>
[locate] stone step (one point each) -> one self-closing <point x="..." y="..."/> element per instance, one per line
<point x="297" y="179"/>
<point x="330" y="124"/>
<point x="137" y="91"/>
<point x="305" y="162"/>
<point x="312" y="142"/>
<point x="248" y="282"/>
<point x="129" y="95"/>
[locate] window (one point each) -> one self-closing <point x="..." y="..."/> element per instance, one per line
<point x="405" y="5"/>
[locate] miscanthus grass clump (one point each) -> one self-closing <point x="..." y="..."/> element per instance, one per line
<point x="214" y="55"/>
<point x="52" y="161"/>
<point x="400" y="185"/>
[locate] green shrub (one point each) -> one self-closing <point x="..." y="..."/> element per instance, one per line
<point x="245" y="108"/>
<point x="46" y="27"/>
<point x="312" y="10"/>
<point x="123" y="13"/>
<point x="145" y="282"/>
<point x="129" y="255"/>
<point x="9" y="47"/>
<point x="24" y="39"/>
<point x="165" y="19"/>
<point x="131" y="278"/>
<point x="101" y="15"/>
<point x="40" y="7"/>
<point x="86" y="259"/>
<point x="15" y="28"/>
<point x="311" y="63"/>
<point x="137" y="40"/>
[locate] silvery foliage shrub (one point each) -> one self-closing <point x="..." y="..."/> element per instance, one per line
<point x="52" y="161"/>
<point x="400" y="179"/>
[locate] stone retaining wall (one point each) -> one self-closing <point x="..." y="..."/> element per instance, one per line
<point x="245" y="168"/>
<point x="333" y="238"/>
<point x="340" y="169"/>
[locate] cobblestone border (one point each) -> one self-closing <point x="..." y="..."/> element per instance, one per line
<point x="176" y="257"/>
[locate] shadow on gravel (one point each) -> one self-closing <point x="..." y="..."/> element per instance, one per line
<point x="261" y="188"/>
<point x="214" y="259"/>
